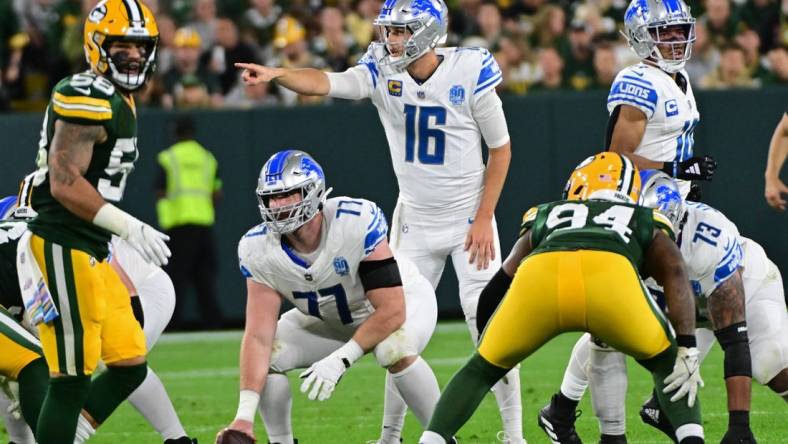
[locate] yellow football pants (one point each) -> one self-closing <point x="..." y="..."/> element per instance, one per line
<point x="586" y="290"/>
<point x="96" y="320"/>
<point x="18" y="347"/>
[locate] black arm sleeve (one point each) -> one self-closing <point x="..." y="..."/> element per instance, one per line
<point x="379" y="274"/>
<point x="490" y="298"/>
<point x="611" y="125"/>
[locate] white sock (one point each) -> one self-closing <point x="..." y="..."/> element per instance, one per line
<point x="608" y="382"/>
<point x="419" y="389"/>
<point x="394" y="409"/>
<point x="431" y="438"/>
<point x="689" y="430"/>
<point x="507" y="395"/>
<point x="575" y="379"/>
<point x="84" y="430"/>
<point x="152" y="401"/>
<point x="276" y="402"/>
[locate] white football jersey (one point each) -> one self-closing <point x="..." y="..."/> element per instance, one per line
<point x="672" y="114"/>
<point x="330" y="288"/>
<point x="434" y="140"/>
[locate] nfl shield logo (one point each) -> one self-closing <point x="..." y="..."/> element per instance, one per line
<point x="457" y="95"/>
<point x="340" y="266"/>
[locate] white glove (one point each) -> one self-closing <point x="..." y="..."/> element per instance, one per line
<point x="149" y="243"/>
<point x="324" y="374"/>
<point x="685" y="378"/>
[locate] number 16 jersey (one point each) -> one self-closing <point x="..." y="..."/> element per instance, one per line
<point x="91" y="100"/>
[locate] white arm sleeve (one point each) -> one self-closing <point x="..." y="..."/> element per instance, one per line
<point x="352" y="84"/>
<point x="488" y="113"/>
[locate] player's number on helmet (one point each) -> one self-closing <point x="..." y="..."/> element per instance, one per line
<point x="418" y="130"/>
<point x="575" y="215"/>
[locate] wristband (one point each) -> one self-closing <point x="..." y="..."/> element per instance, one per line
<point x="687" y="341"/>
<point x="113" y="219"/>
<point x="350" y="352"/>
<point x="247" y="405"/>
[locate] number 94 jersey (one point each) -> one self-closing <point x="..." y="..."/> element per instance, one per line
<point x="329" y="288"/>
<point x="621" y="228"/>
<point x="91" y="100"/>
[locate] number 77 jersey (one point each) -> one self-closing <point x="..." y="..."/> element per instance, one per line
<point x="433" y="136"/>
<point x="90" y="100"/>
<point x="622" y="228"/>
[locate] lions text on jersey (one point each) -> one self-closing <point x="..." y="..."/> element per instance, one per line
<point x="672" y="114"/>
<point x="330" y="288"/>
<point x="434" y="139"/>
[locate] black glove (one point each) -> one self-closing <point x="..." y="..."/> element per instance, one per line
<point x="738" y="435"/>
<point x="694" y="168"/>
<point x="695" y="192"/>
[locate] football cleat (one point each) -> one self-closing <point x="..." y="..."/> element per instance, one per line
<point x="181" y="440"/>
<point x="613" y="439"/>
<point x="560" y="428"/>
<point x="652" y="414"/>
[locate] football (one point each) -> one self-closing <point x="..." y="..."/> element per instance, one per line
<point x="233" y="437"/>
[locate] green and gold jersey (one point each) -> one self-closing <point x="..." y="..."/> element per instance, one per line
<point x="622" y="228"/>
<point x="84" y="99"/>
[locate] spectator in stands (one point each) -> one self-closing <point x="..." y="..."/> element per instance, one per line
<point x="187" y="62"/>
<point x="166" y="53"/>
<point x="228" y="50"/>
<point x="550" y="28"/>
<point x="521" y="15"/>
<point x="359" y="22"/>
<point x="191" y="92"/>
<point x="293" y="52"/>
<point x="257" y="24"/>
<point x="462" y="19"/>
<point x="605" y="66"/>
<point x="750" y="43"/>
<point x="333" y="44"/>
<point x="551" y="68"/>
<point x="579" y="60"/>
<point x="705" y="56"/>
<point x="489" y="22"/>
<point x="205" y="21"/>
<point x="732" y="72"/>
<point x="512" y="59"/>
<point x="763" y="17"/>
<point x="778" y="67"/>
<point x="719" y="21"/>
<point x="250" y="96"/>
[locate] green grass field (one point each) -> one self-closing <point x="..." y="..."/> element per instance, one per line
<point x="200" y="372"/>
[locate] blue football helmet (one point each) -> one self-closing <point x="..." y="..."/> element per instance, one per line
<point x="647" y="24"/>
<point x="7" y="207"/>
<point x="285" y="172"/>
<point x="661" y="193"/>
<point x="427" y="22"/>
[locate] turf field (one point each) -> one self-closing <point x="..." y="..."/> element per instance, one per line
<point x="201" y="375"/>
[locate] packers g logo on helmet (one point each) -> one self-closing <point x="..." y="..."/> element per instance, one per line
<point x="605" y="176"/>
<point x="121" y="20"/>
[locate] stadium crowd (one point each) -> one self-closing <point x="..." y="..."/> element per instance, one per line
<point x="540" y="45"/>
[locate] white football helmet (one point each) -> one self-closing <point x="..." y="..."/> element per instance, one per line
<point x="285" y="172"/>
<point x="648" y="25"/>
<point x="661" y="193"/>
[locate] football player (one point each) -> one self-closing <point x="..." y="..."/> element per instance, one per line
<point x="88" y="147"/>
<point x="151" y="293"/>
<point x="652" y="108"/>
<point x="778" y="152"/>
<point x="739" y="295"/>
<point x="436" y="105"/>
<point x="331" y="260"/>
<point x="571" y="250"/>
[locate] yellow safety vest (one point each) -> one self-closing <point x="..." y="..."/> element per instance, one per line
<point x="191" y="181"/>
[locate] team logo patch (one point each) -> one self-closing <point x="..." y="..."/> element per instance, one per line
<point x="671" y="108"/>
<point x="340" y="266"/>
<point x="98" y="13"/>
<point x="395" y="88"/>
<point x="420" y="94"/>
<point x="457" y="95"/>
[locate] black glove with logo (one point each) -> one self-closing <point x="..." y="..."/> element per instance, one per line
<point x="694" y="168"/>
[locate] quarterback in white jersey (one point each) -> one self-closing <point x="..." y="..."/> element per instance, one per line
<point x="740" y="302"/>
<point x="652" y="108"/>
<point x="331" y="260"/>
<point x="436" y="105"/>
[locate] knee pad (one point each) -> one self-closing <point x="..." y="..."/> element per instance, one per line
<point x="278" y="351"/>
<point x="734" y="341"/>
<point x="395" y="347"/>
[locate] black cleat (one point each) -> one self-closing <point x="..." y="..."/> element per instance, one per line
<point x="559" y="427"/>
<point x="652" y="414"/>
<point x="181" y="440"/>
<point x="613" y="439"/>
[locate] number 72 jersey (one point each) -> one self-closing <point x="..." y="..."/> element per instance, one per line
<point x="622" y="228"/>
<point x="90" y="100"/>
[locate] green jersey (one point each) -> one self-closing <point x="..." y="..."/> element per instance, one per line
<point x="622" y="228"/>
<point x="85" y="99"/>
<point x="10" y="233"/>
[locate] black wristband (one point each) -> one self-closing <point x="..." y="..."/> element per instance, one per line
<point x="686" y="341"/>
<point x="738" y="418"/>
<point x="670" y="168"/>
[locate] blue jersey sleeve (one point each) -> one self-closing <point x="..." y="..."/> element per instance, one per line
<point x="370" y="62"/>
<point x="630" y="89"/>
<point x="490" y="74"/>
<point x="377" y="228"/>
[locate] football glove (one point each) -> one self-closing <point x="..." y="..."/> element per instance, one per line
<point x="738" y="435"/>
<point x="685" y="378"/>
<point x="149" y="243"/>
<point x="323" y="375"/>
<point x="694" y="168"/>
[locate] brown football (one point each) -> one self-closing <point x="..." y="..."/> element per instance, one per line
<point x="233" y="437"/>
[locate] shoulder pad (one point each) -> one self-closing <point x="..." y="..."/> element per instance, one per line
<point x="490" y="74"/>
<point x="635" y="88"/>
<point x="361" y="217"/>
<point x="663" y="223"/>
<point x="370" y="61"/>
<point x="83" y="97"/>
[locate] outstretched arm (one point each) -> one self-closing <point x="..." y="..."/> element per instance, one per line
<point x="305" y="81"/>
<point x="778" y="151"/>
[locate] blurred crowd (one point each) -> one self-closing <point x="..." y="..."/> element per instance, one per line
<point x="540" y="45"/>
